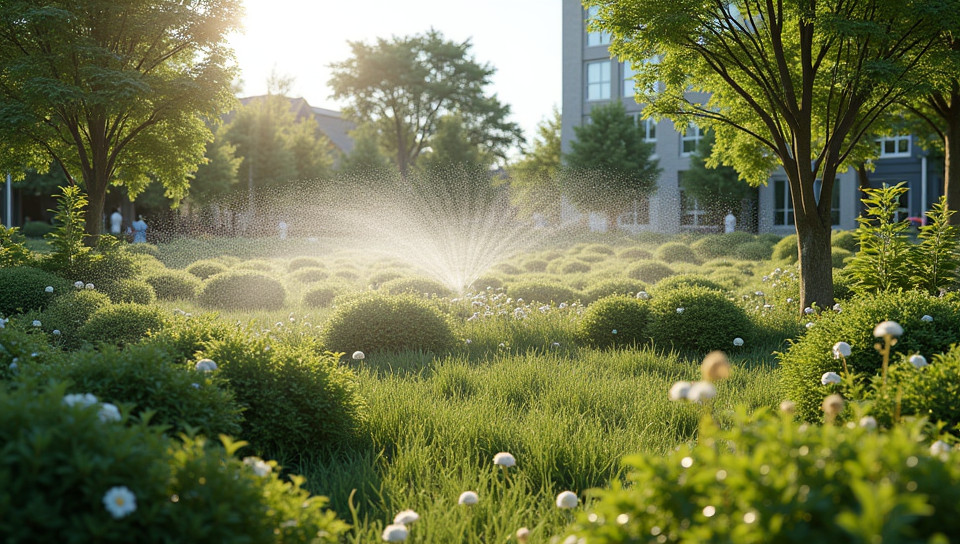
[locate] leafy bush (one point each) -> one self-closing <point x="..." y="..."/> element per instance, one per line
<point x="379" y="277"/>
<point x="303" y="262"/>
<point x="13" y="252"/>
<point x="697" y="319"/>
<point x="929" y="392"/>
<point x="184" y="337"/>
<point x="935" y="261"/>
<point x="838" y="255"/>
<point x="185" y="491"/>
<point x="206" y="268"/>
<point x="635" y="253"/>
<point x="811" y="356"/>
<point x="23" y="347"/>
<point x="173" y="284"/>
<point x="376" y="322"/>
<point x="614" y="321"/>
<point x="541" y="291"/>
<point x="753" y="251"/>
<point x="845" y="239"/>
<point x="721" y="245"/>
<point x="599" y="249"/>
<point x="346" y="274"/>
<point x="23" y="288"/>
<point x="484" y="282"/>
<point x="649" y="271"/>
<point x="309" y="275"/>
<point x="418" y="286"/>
<point x="507" y="268"/>
<point x="575" y="267"/>
<point x="881" y="263"/>
<point x="121" y="324"/>
<point x="767" y="479"/>
<point x="258" y="265"/>
<point x="613" y="286"/>
<point x="535" y="265"/>
<point x="786" y="250"/>
<point x="144" y="249"/>
<point x="688" y="280"/>
<point x="242" y="291"/>
<point x="321" y="296"/>
<point x="68" y="313"/>
<point x="131" y="290"/>
<point x="295" y="399"/>
<point x="36" y="229"/>
<point x="675" y="252"/>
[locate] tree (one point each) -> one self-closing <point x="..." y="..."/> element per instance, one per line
<point x="217" y="177"/>
<point x="716" y="186"/>
<point x="535" y="177"/>
<point x="609" y="164"/>
<point x="366" y="161"/>
<point x="404" y="86"/>
<point x="789" y="83"/>
<point x="451" y="145"/>
<point x="115" y="91"/>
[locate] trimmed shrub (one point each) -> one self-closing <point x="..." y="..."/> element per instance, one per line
<point x="174" y="284"/>
<point x="675" y="252"/>
<point x="24" y="347"/>
<point x="697" y="319"/>
<point x="507" y="268"/>
<point x="688" y="280"/>
<point x="838" y="255"/>
<point x="295" y="400"/>
<point x="346" y="274"/>
<point x="417" y="286"/>
<point x="649" y="271"/>
<point x="753" y="251"/>
<point x="184" y="337"/>
<point x="246" y="290"/>
<point x="258" y="265"/>
<point x="121" y="324"/>
<point x="613" y="286"/>
<point x="541" y="291"/>
<point x="575" y="267"/>
<point x="635" y="253"/>
<point x="535" y="265"/>
<point x="721" y="245"/>
<point x="380" y="277"/>
<point x="786" y="249"/>
<point x="309" y="275"/>
<point x="23" y="288"/>
<point x="321" y="296"/>
<point x="303" y="262"/>
<point x="483" y="282"/>
<point x="70" y="312"/>
<point x="206" y="268"/>
<point x="131" y="290"/>
<point x="599" y="249"/>
<point x="375" y="322"/>
<point x="36" y="229"/>
<point x="811" y="356"/>
<point x="614" y="321"/>
<point x="143" y="249"/>
<point x="845" y="239"/>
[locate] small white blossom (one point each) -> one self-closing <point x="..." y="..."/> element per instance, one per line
<point x="841" y="349"/>
<point x="359" y="356"/>
<point x="260" y="467"/>
<point x="680" y="310"/>
<point x="837" y="308"/>
<point x="567" y="499"/>
<point x="523" y="535"/>
<point x="809" y="324"/>
<point x="48" y="289"/>
<point x="927" y="318"/>
<point x="701" y="392"/>
<point x="808" y="310"/>
<point x="119" y="501"/>
<point x="36" y="323"/>
<point x="738" y="341"/>
<point x="3" y="323"/>
<point x="396" y="532"/>
<point x="78" y="284"/>
<point x="406" y="517"/>
<point x="888" y="327"/>
<point x="77" y="399"/>
<point x="918" y="361"/>
<point x="679" y="391"/>
<point x="109" y="412"/>
<point x="195" y="385"/>
<point x="868" y="422"/>
<point x="643" y="295"/>
<point x="788" y="407"/>
<point x="614" y="331"/>
<point x="940" y="448"/>
<point x="88" y="286"/>
<point x="13" y="366"/>
<point x="205" y="365"/>
<point x="504" y="459"/>
<point x="830" y="377"/>
<point x="468" y="498"/>
<point x="56" y="332"/>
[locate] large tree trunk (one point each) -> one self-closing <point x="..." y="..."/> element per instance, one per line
<point x="96" y="195"/>
<point x="951" y="166"/>
<point x="816" y="265"/>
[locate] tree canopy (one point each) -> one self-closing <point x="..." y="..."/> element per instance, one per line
<point x="719" y="189"/>
<point x="113" y="91"/>
<point x="535" y="176"/>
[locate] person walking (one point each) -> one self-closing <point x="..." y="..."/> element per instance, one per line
<point x="116" y="222"/>
<point x="140" y="231"/>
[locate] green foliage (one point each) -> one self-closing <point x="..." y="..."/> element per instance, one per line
<point x="845" y="239"/>
<point x="131" y="290"/>
<point x="614" y="321"/>
<point x="786" y="250"/>
<point x="67" y="237"/>
<point x="575" y="267"/>
<point x="838" y="256"/>
<point x="36" y="229"/>
<point x="23" y="289"/>
<point x="753" y="251"/>
<point x="242" y="291"/>
<point x="881" y="263"/>
<point x="811" y="356"/>
<point x="378" y="323"/>
<point x="635" y="253"/>
<point x="122" y="324"/>
<point x="718" y="188"/>
<point x="310" y="275"/>
<point x="935" y="261"/>
<point x="68" y="313"/>
<point x="534" y="177"/>
<point x="712" y="246"/>
<point x="613" y="286"/>
<point x="687" y="280"/>
<point x="173" y="284"/>
<point x="322" y="296"/>
<point x="303" y="262"/>
<point x="417" y="286"/>
<point x="23" y="346"/>
<point x="930" y="392"/>
<point x="541" y="291"/>
<point x="295" y="399"/>
<point x="649" y="271"/>
<point x="203" y="269"/>
<point x="675" y="252"/>
<point x="184" y="337"/>
<point x="767" y="479"/>
<point x="696" y="319"/>
<point x="13" y="252"/>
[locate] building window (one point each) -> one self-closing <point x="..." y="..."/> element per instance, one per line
<point x="894" y="146"/>
<point x="598" y="80"/>
<point x="783" y="203"/>
<point x="639" y="214"/>
<point x="689" y="141"/>
<point x="631" y="87"/>
<point x="649" y="130"/>
<point x="595" y="38"/>
<point x="691" y="214"/>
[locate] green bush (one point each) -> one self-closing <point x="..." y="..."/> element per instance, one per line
<point x="346" y="274"/>
<point x="614" y="321"/>
<point x="575" y="267"/>
<point x="70" y="312"/>
<point x="541" y="291"/>
<point x="206" y="268"/>
<point x="23" y="347"/>
<point x="535" y="265"/>
<point x="599" y="249"/>
<point x="753" y="251"/>
<point x="380" y="277"/>
<point x="838" y="255"/>
<point x="295" y="400"/>
<point x="929" y="392"/>
<point x="483" y="282"/>
<point x="675" y="252"/>
<point x="613" y="286"/>
<point x="688" y="280"/>
<point x="507" y="268"/>
<point x="811" y="356"/>
<point x="131" y="290"/>
<point x="258" y="265"/>
<point x="143" y="249"/>
<point x="303" y="262"/>
<point x="845" y="239"/>
<point x="185" y="491"/>
<point x="635" y="253"/>
<point x="417" y="286"/>
<point x="322" y="296"/>
<point x="786" y="250"/>
<point x="23" y="288"/>
<point x="121" y="324"/>
<point x="697" y="319"/>
<point x="184" y="337"/>
<point x="246" y="290"/>
<point x="13" y="249"/>
<point x="721" y="245"/>
<point x="309" y="275"/>
<point x="768" y="479"/>
<point x="649" y="271"/>
<point x="36" y="229"/>
<point x="173" y="284"/>
<point x="376" y="322"/>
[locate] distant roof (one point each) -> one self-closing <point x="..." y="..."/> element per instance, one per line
<point x="330" y="122"/>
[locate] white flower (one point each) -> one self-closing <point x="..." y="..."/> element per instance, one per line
<point x="701" y="391"/>
<point x="260" y="467"/>
<point x="679" y="310"/>
<point x="13" y="366"/>
<point x="868" y="422"/>
<point x="715" y="366"/>
<point x="567" y="499"/>
<point x="359" y="356"/>
<point x="759" y="293"/>
<point x="395" y="533"/>
<point x="738" y="341"/>
<point x="205" y="365"/>
<point x="614" y="331"/>
<point x="406" y="516"/>
<point x="56" y="332"/>
<point x="832" y="405"/>
<point x="119" y="501"/>
<point x="195" y="385"/>
<point x="642" y="295"/>
<point x="109" y="412"/>
<point x="841" y="349"/>
<point x="939" y="447"/>
<point x="809" y="324"/>
<point x="504" y="459"/>
<point x="523" y="535"/>
<point x="888" y="327"/>
<point x="83" y="400"/>
<point x="36" y="323"/>
<point x="3" y="323"/>
<point x="88" y="286"/>
<point x="468" y="498"/>
<point x="788" y="407"/>
<point x="789" y="300"/>
<point x="555" y="345"/>
<point x="918" y="361"/>
<point x="48" y="289"/>
<point x="679" y="391"/>
<point x="927" y="318"/>
<point x="837" y="308"/>
<point x="808" y="310"/>
<point x="78" y="284"/>
<point x="830" y="377"/>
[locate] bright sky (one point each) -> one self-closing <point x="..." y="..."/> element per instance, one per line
<point x="521" y="39"/>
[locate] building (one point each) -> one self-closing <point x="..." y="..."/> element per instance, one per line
<point x="591" y="77"/>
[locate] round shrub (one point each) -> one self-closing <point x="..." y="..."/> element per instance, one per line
<point x="649" y="271"/>
<point x="635" y="253"/>
<point x="70" y="312"/>
<point x="303" y="262"/>
<point x="811" y="356"/>
<point x="928" y="392"/>
<point x="417" y="286"/>
<point x="590" y="257"/>
<point x="845" y="239"/>
<point x="173" y="284"/>
<point x="321" y="296"/>
<point x="753" y="251"/>
<point x="613" y="321"/>
<point x="309" y="275"/>
<point x="296" y="400"/>
<point x="206" y="268"/>
<point x="346" y="274"/>
<point x="121" y="323"/>
<point x="575" y="267"/>
<point x="483" y="282"/>
<point x="541" y="291"/>
<point x="675" y="252"/>
<point x="377" y="322"/>
<point x="769" y="237"/>
<point x="507" y="268"/>
<point x="23" y="288"/>
<point x="143" y="249"/>
<point x="258" y="265"/>
<point x="838" y="255"/>
<point x="786" y="249"/>
<point x="613" y="286"/>
<point x="380" y="277"/>
<point x="131" y="290"/>
<point x="535" y="265"/>
<point x="184" y="337"/>
<point x="36" y="229"/>
<point x="688" y="280"/>
<point x="599" y="249"/>
<point x="246" y="290"/>
<point x="713" y="246"/>
<point x="696" y="319"/>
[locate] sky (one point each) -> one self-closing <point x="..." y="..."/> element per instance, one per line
<point x="521" y="39"/>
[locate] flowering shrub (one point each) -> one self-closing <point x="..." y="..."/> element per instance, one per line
<point x="246" y="290"/>
<point x="21" y="348"/>
<point x="205" y="268"/>
<point x="377" y="322"/>
<point x="173" y="284"/>
<point x="69" y="312"/>
<point x="541" y="291"/>
<point x="929" y="391"/>
<point x="417" y="286"/>
<point x="614" y="321"/>
<point x="768" y="479"/>
<point x="675" y="252"/>
<point x="121" y="324"/>
<point x="613" y="286"/>
<point x="649" y="271"/>
<point x="23" y="288"/>
<point x="696" y="318"/>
